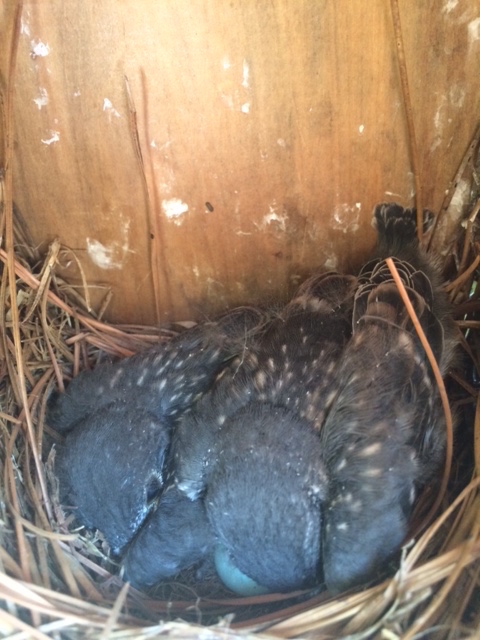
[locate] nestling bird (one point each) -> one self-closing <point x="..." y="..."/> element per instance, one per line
<point x="165" y="378"/>
<point x="384" y="437"/>
<point x="118" y="421"/>
<point x="310" y="448"/>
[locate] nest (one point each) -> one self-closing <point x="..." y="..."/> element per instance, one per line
<point x="59" y="583"/>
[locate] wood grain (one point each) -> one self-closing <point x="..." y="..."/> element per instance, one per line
<point x="268" y="131"/>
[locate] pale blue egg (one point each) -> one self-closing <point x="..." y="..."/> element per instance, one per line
<point x="232" y="577"/>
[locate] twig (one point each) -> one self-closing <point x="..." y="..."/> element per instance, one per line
<point x="452" y="286"/>
<point x="155" y="264"/>
<point x="440" y="384"/>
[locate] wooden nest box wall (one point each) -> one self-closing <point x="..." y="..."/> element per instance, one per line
<point x="198" y="155"/>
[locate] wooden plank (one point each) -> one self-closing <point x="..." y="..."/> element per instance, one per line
<point x="268" y="132"/>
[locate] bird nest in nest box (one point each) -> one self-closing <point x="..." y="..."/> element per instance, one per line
<point x="58" y="579"/>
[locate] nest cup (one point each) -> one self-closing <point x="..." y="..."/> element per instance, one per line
<point x="58" y="582"/>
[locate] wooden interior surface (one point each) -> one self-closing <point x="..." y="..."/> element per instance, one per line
<point x="267" y="131"/>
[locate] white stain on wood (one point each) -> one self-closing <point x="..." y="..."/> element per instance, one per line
<point x="275" y="217"/>
<point x="331" y="262"/>
<point x="113" y="255"/>
<point x="24" y="27"/>
<point x="245" y="74"/>
<point x="54" y="137"/>
<point x="438" y="123"/>
<point x="39" y="49"/>
<point x="449" y="6"/>
<point x="42" y="99"/>
<point x="473" y="31"/>
<point x="108" y="107"/>
<point x="437" y="118"/>
<point x="456" y="95"/>
<point x="236" y="97"/>
<point x="174" y="209"/>
<point x="103" y="256"/>
<point x="345" y="217"/>
<point x="455" y="99"/>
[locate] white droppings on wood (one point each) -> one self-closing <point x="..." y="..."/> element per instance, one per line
<point x="103" y="256"/>
<point x="449" y="6"/>
<point x="113" y="255"/>
<point x="235" y="91"/>
<point x="39" y="49"/>
<point x="345" y="217"/>
<point x="279" y="219"/>
<point x="174" y="209"/>
<point x="109" y="108"/>
<point x="54" y="137"/>
<point x="473" y="31"/>
<point x="361" y="129"/>
<point x="42" y="99"/>
<point x="331" y="262"/>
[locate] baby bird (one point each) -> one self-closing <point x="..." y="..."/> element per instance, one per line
<point x="250" y="454"/>
<point x="384" y="437"/>
<point x="165" y="378"/>
<point x="118" y="421"/>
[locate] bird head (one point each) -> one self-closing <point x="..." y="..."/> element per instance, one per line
<point x="110" y="469"/>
